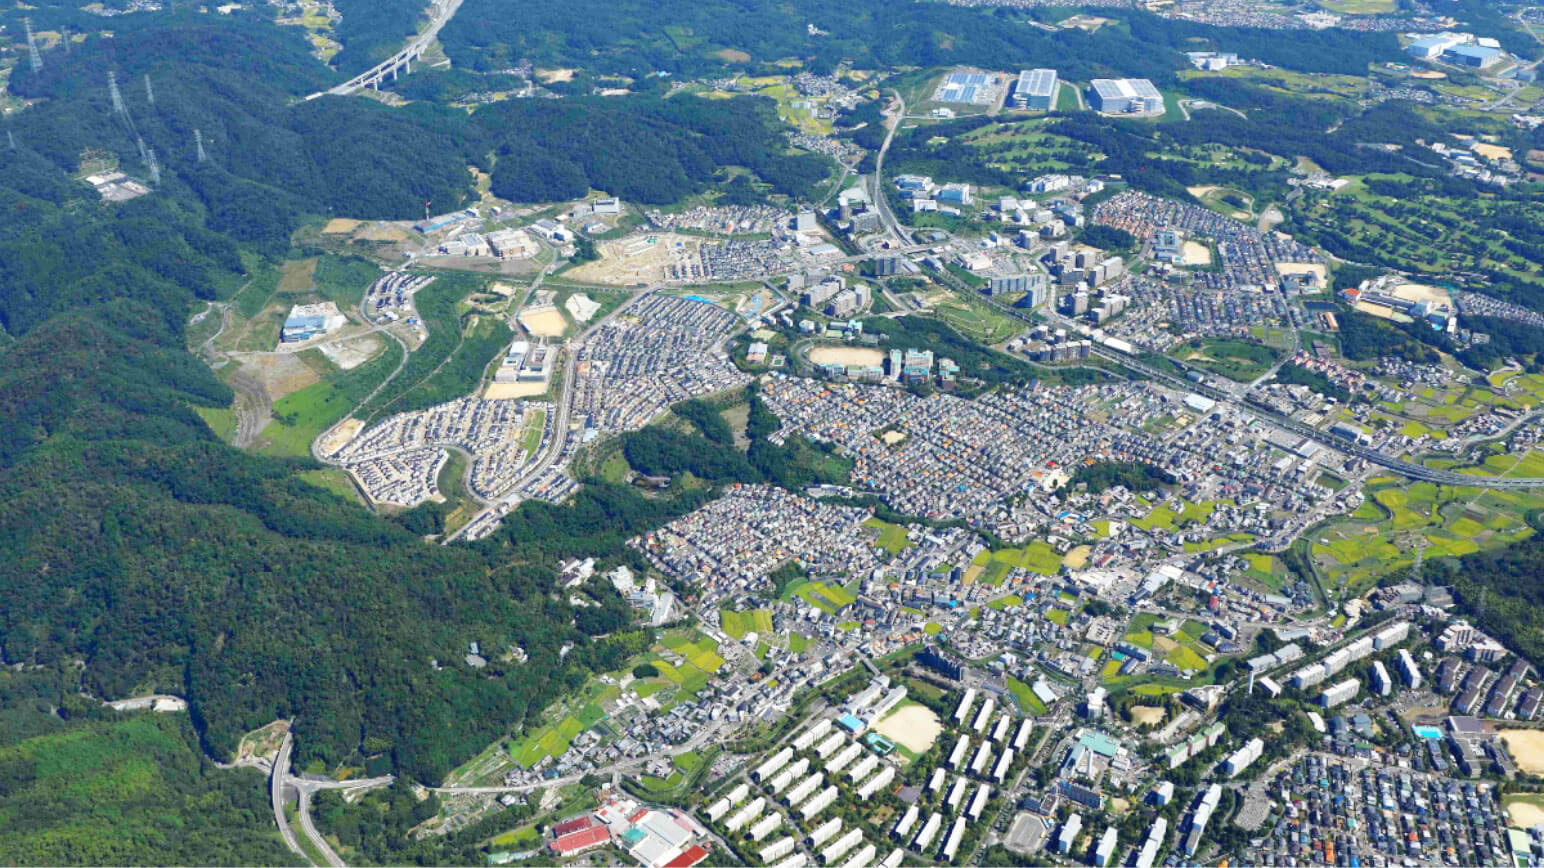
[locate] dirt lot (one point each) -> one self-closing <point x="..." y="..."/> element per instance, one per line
<point x="1419" y="292"/>
<point x="340" y="436"/>
<point x="1303" y="268"/>
<point x="351" y="354"/>
<point x="1527" y="747"/>
<point x="1141" y="714"/>
<point x="544" y="322"/>
<point x="846" y="356"/>
<point x="495" y="391"/>
<point x="1197" y="253"/>
<point x="914" y="726"/>
<point x="384" y="232"/>
<point x="279" y="373"/>
<point x="640" y="258"/>
<point x="341" y="226"/>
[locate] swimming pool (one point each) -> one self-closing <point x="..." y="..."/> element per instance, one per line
<point x="1427" y="732"/>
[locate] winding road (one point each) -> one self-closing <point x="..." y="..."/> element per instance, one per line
<point x="281" y="783"/>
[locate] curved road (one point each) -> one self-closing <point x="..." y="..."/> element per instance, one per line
<point x="881" y="201"/>
<point x="281" y="781"/>
<point x="444" y="10"/>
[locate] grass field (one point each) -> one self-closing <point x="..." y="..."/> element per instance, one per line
<point x="1025" y="697"/>
<point x="738" y="624"/>
<point x="1234" y="359"/>
<point x="300" y="416"/>
<point x="892" y="537"/>
<point x="828" y="598"/>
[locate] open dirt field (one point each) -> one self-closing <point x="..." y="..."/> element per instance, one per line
<point x="1198" y="192"/>
<point x="340" y="436"/>
<point x="581" y="307"/>
<point x="1197" y="253"/>
<point x="639" y="258"/>
<point x="1141" y="714"/>
<point x="1493" y="152"/>
<point x="544" y="322"/>
<point x="1303" y="268"/>
<point x="340" y="226"/>
<point x="384" y="232"/>
<point x="1381" y="312"/>
<point x="1078" y="556"/>
<point x="1421" y="292"/>
<point x="502" y="288"/>
<point x="846" y="356"/>
<point x="890" y="438"/>
<point x="914" y="726"/>
<point x="349" y="355"/>
<point x="1524" y="815"/>
<point x="1527" y="747"/>
<point x="280" y="373"/>
<point x="549" y="76"/>
<point x="496" y="391"/>
<point x="1163" y="644"/>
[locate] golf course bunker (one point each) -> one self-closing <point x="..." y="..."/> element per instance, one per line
<point x="1527" y="747"/>
<point x="545" y="322"/>
<point x="846" y="356"/>
<point x="914" y="727"/>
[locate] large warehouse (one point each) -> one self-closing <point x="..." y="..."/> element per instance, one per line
<point x="1124" y="96"/>
<point x="1036" y="89"/>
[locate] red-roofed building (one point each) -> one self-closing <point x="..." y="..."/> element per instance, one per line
<point x="638" y="815"/>
<point x="692" y="856"/>
<point x="577" y="824"/>
<point x="578" y="842"/>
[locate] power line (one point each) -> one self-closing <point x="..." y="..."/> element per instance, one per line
<point x="112" y="90"/>
<point x="32" y="48"/>
<point x="198" y="139"/>
<point x="149" y="91"/>
<point x="155" y="168"/>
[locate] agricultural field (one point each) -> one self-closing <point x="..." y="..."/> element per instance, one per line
<point x="1037" y="557"/>
<point x="1441" y="521"/>
<point x="738" y="624"/>
<point x="827" y="597"/>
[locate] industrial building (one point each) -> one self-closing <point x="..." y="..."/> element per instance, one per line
<point x="1036" y="89"/>
<point x="1124" y="96"/>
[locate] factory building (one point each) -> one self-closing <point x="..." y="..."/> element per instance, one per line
<point x="1124" y="96"/>
<point x="1036" y="89"/>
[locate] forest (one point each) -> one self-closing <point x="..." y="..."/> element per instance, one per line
<point x="116" y="789"/>
<point x="627" y="37"/>
<point x="1134" y="475"/>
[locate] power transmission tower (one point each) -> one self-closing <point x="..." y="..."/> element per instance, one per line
<point x="32" y="47"/>
<point x="149" y="91"/>
<point x="198" y="139"/>
<point x="64" y="39"/>
<point x="155" y="168"/>
<point x="139" y="142"/>
<point x="112" y="90"/>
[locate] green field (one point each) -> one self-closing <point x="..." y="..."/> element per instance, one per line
<point x="892" y="537"/>
<point x="300" y="416"/>
<point x="826" y="597"/>
<point x="1025" y="697"/>
<point x="738" y="624"/>
<point x="1234" y="359"/>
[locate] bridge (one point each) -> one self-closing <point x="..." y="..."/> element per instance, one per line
<point x="402" y="62"/>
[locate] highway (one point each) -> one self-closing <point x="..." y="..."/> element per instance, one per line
<point x="877" y="186"/>
<point x="281" y="781"/>
<point x="442" y="12"/>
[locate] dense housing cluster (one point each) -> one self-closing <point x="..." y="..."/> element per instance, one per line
<point x="663" y="350"/>
<point x="396" y="460"/>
